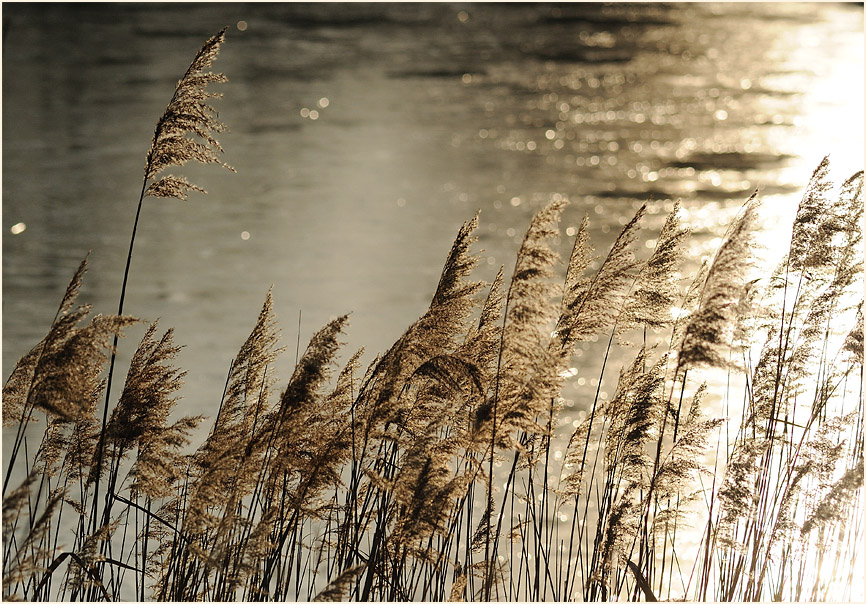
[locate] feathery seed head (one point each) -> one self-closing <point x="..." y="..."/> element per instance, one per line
<point x="188" y="113"/>
<point x="529" y="374"/>
<point x="655" y="288"/>
<point x="594" y="303"/>
<point x="68" y="372"/>
<point x="709" y="332"/>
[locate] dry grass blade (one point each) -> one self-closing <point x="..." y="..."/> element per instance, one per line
<point x="482" y="532"/>
<point x="527" y="376"/>
<point x="642" y="583"/>
<point x="458" y="265"/>
<point x="73" y="288"/>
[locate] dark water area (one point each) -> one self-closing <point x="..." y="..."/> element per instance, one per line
<point x="364" y="135"/>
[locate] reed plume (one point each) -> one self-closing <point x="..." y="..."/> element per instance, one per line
<point x="61" y="372"/>
<point x="302" y="424"/>
<point x="337" y="589"/>
<point x="226" y="462"/>
<point x="682" y="464"/>
<point x="458" y="588"/>
<point x="141" y="417"/>
<point x="424" y="489"/>
<point x="709" y="332"/>
<point x="655" y="289"/>
<point x="575" y="285"/>
<point x="310" y="442"/>
<point x="17" y="387"/>
<point x="68" y="372"/>
<point x="433" y="334"/>
<point x="526" y="375"/>
<point x="594" y="304"/>
<point x="634" y="413"/>
<point x="188" y="113"/>
<point x="480" y="349"/>
<point x="834" y="503"/>
<point x="809" y="240"/>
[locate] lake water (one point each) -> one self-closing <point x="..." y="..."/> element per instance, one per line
<point x="364" y="135"/>
<point x="424" y="113"/>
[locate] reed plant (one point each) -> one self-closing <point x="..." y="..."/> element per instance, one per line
<point x="447" y="469"/>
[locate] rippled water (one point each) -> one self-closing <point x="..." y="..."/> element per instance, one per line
<point x="423" y="114"/>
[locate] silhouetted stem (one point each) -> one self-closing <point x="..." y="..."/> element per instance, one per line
<point x="101" y="446"/>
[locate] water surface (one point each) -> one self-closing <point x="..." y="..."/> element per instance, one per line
<point x="425" y="113"/>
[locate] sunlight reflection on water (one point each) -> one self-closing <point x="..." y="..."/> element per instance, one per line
<point x="364" y="136"/>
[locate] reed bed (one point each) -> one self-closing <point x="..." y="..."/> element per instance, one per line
<point x="445" y="470"/>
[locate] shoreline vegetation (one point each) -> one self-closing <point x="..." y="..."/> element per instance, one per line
<point x="433" y="473"/>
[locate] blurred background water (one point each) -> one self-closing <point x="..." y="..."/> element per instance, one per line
<point x="364" y="135"/>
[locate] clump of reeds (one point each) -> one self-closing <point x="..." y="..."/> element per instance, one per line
<point x="447" y="469"/>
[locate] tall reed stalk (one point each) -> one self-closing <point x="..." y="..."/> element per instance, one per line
<point x="188" y="113"/>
